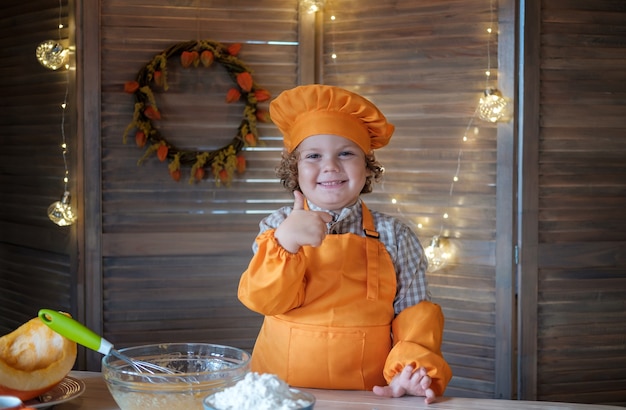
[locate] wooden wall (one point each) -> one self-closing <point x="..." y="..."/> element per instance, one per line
<point x="37" y="258"/>
<point x="430" y="93"/>
<point x="154" y="260"/>
<point x="573" y="276"/>
<point x="172" y="252"/>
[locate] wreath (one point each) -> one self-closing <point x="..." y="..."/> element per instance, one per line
<point x="224" y="161"/>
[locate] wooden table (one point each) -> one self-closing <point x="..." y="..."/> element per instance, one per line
<point x="97" y="397"/>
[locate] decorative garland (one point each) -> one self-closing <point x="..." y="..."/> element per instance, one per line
<point x="223" y="161"/>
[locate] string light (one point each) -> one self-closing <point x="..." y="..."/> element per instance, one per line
<point x="437" y="254"/>
<point x="332" y="18"/>
<point x="61" y="212"/>
<point x="492" y="105"/>
<point x="312" y="6"/>
<point x="492" y="108"/>
<point x="51" y="54"/>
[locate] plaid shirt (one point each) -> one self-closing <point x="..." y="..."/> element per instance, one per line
<point x="400" y="241"/>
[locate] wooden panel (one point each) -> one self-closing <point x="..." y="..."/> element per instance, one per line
<point x="36" y="258"/>
<point x="423" y="64"/>
<point x="506" y="209"/>
<point x="173" y="252"/>
<point x="32" y="279"/>
<point x="527" y="223"/>
<point x="582" y="196"/>
<point x="165" y="298"/>
<point x="159" y="249"/>
<point x="89" y="243"/>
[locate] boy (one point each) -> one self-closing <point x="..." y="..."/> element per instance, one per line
<point x="342" y="288"/>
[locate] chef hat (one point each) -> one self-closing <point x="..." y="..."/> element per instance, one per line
<point x="321" y="109"/>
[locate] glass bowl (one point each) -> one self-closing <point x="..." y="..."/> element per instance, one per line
<point x="205" y="368"/>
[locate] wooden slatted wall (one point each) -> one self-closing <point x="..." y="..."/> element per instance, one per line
<point x="423" y="64"/>
<point x="582" y="197"/>
<point x="36" y="268"/>
<point x="172" y="251"/>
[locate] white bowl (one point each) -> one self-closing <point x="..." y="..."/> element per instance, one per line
<point x="295" y="395"/>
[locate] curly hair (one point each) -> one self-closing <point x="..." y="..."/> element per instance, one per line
<point x="287" y="171"/>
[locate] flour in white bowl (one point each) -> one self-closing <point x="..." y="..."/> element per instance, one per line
<point x="258" y="392"/>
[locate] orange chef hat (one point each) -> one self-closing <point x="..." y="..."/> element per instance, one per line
<point x="322" y="109"/>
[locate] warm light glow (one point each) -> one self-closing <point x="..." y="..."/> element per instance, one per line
<point x="492" y="106"/>
<point x="52" y="55"/>
<point x="437" y="254"/>
<point x="61" y="212"/>
<point x="312" y="6"/>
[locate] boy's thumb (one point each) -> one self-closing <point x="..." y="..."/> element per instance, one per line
<point x="298" y="201"/>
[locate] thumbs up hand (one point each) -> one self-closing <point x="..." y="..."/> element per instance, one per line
<point x="302" y="227"/>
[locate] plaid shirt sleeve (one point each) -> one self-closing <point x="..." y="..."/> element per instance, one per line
<point x="408" y="259"/>
<point x="271" y="222"/>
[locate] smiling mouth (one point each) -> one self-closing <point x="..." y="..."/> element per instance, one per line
<point x="330" y="183"/>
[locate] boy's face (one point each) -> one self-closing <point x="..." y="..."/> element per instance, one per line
<point x="331" y="171"/>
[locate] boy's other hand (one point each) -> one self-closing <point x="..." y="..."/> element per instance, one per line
<point x="408" y="382"/>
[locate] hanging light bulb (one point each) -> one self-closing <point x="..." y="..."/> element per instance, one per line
<point x="312" y="6"/>
<point x="51" y="54"/>
<point x="437" y="254"/>
<point x="61" y="212"/>
<point x="492" y="106"/>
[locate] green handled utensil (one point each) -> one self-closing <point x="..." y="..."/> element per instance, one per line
<point x="75" y="331"/>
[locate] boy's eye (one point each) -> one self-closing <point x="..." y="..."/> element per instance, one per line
<point x="314" y="155"/>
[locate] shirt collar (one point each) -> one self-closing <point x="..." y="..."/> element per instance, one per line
<point x="348" y="214"/>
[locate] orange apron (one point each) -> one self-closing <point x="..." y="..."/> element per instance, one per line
<point x="340" y="336"/>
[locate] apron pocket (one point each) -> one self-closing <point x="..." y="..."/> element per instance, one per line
<point x="333" y="358"/>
